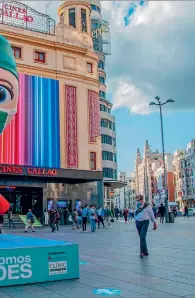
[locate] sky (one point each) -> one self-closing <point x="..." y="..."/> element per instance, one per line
<point x="153" y="46"/>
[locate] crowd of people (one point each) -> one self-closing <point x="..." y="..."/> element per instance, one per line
<point x="96" y="217"/>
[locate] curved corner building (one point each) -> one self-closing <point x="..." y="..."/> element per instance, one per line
<point x="101" y="43"/>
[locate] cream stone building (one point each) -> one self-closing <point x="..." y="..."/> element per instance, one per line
<point x="59" y="109"/>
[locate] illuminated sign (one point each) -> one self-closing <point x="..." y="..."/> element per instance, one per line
<point x="100" y="31"/>
<point x="22" y="16"/>
<point x="28" y="171"/>
<point x="101" y="36"/>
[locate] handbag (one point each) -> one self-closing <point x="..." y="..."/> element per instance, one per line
<point x="112" y="220"/>
<point x="32" y="220"/>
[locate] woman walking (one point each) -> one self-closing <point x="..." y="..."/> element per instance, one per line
<point x="75" y="219"/>
<point x="93" y="218"/>
<point x="143" y="215"/>
<point x="125" y="214"/>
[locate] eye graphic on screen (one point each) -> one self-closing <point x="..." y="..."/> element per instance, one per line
<point x="9" y="85"/>
<point x="5" y="93"/>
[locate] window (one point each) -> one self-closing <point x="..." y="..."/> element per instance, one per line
<point x="104" y="122"/>
<point x="110" y="124"/>
<point x="62" y="18"/>
<point x="93" y="160"/>
<point x="103" y="108"/>
<point x="114" y="142"/>
<point x="109" y="110"/>
<point x="101" y="64"/>
<point x="17" y="52"/>
<point x="106" y="155"/>
<point x="113" y="126"/>
<point x="95" y="7"/>
<point x="110" y="173"/>
<point x="89" y="67"/>
<point x="102" y="94"/>
<point x="102" y="80"/>
<point x="106" y="139"/>
<point x="72" y="17"/>
<point x="39" y="57"/>
<point x="84" y="20"/>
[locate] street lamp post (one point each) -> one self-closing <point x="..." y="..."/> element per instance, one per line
<point x="160" y="104"/>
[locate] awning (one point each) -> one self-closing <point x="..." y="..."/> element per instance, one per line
<point x="114" y="184"/>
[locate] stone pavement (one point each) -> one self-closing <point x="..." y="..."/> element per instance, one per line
<point x="109" y="260"/>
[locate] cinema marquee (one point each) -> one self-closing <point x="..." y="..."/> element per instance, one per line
<point x="22" y="16"/>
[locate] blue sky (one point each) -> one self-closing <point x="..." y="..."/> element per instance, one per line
<point x="152" y="54"/>
<point x="153" y="46"/>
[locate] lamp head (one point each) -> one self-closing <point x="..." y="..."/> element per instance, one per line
<point x="157" y="98"/>
<point x="170" y="100"/>
<point x="152" y="104"/>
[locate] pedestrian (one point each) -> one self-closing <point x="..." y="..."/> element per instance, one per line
<point x="75" y="219"/>
<point x="85" y="216"/>
<point x="92" y="214"/>
<point x="46" y="217"/>
<point x="107" y="215"/>
<point x="10" y="218"/>
<point x="116" y="212"/>
<point x="131" y="214"/>
<point x="30" y="221"/>
<point x="56" y="220"/>
<point x="52" y="219"/>
<point x="175" y="211"/>
<point x="125" y="214"/>
<point x="143" y="215"/>
<point x="101" y="217"/>
<point x="155" y="210"/>
<point x="161" y="212"/>
<point x="80" y="217"/>
<point x="1" y="222"/>
<point x="186" y="213"/>
<point x="65" y="215"/>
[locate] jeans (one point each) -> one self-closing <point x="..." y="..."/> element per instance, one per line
<point x="162" y="218"/>
<point x="84" y="220"/>
<point x="11" y="223"/>
<point x="101" y="220"/>
<point x="93" y="225"/>
<point x="142" y="228"/>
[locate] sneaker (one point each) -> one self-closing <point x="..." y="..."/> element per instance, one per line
<point x="25" y="231"/>
<point x="141" y="255"/>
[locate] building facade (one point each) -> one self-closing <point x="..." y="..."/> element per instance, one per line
<point x="54" y="140"/>
<point x="149" y="176"/>
<point x="125" y="197"/>
<point x="101" y="43"/>
<point x="184" y="171"/>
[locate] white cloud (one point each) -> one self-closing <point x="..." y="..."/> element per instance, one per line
<point x="154" y="53"/>
<point x="128" y="95"/>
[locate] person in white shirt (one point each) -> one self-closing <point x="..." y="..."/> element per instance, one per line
<point x="143" y="215"/>
<point x="46" y="215"/>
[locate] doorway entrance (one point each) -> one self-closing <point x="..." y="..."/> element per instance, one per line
<point x="23" y="198"/>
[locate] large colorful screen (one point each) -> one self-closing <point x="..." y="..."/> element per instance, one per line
<point x="33" y="136"/>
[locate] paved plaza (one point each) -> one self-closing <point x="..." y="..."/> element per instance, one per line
<point x="110" y="264"/>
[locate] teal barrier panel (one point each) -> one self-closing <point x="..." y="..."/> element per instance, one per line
<point x="25" y="260"/>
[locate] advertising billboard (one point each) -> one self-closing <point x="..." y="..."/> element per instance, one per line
<point x="101" y="36"/>
<point x="33" y="136"/>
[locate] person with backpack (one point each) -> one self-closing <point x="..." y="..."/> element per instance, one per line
<point x="143" y="215"/>
<point x="30" y="221"/>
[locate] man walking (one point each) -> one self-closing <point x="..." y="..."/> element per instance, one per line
<point x="10" y="217"/>
<point x="143" y="215"/>
<point x="100" y="217"/>
<point x="161" y="211"/>
<point x="85" y="216"/>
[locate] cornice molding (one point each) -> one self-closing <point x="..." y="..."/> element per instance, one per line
<point x="44" y="72"/>
<point x="22" y="38"/>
